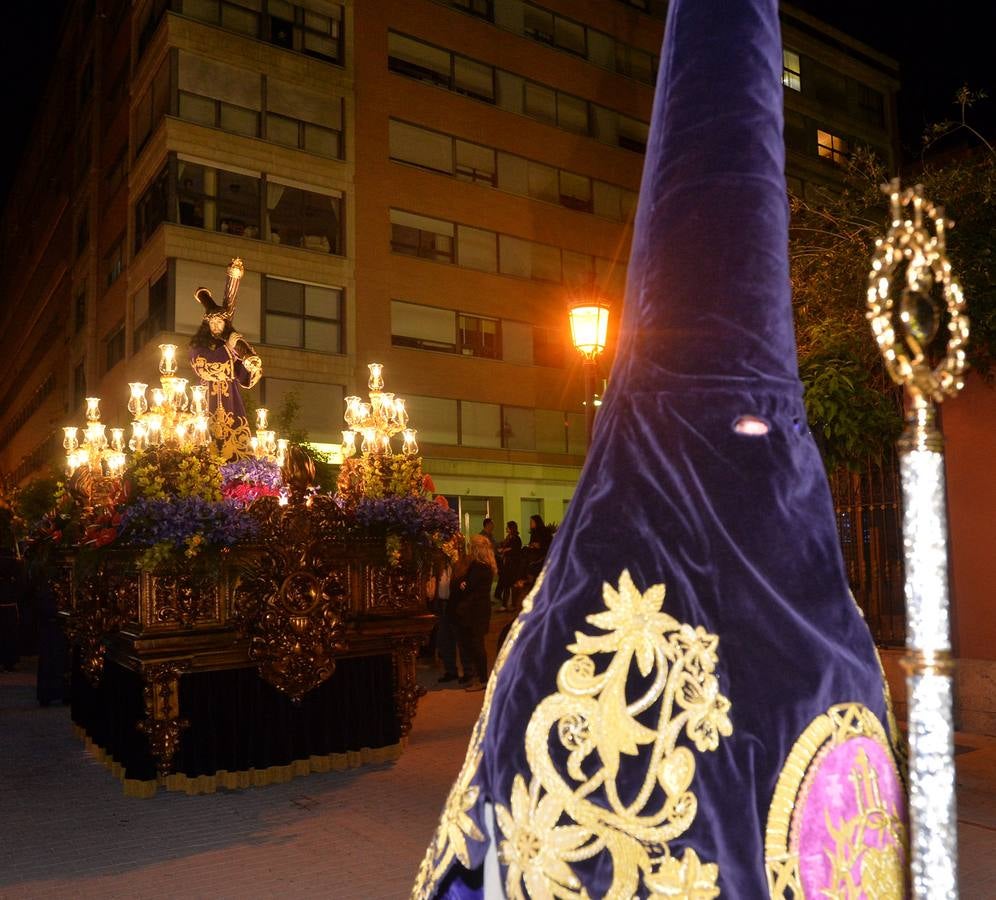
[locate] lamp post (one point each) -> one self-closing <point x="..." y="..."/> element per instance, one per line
<point x="589" y="327"/>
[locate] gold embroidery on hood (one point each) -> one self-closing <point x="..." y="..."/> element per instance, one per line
<point x="559" y="818"/>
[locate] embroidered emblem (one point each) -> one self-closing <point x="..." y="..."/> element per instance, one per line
<point x="836" y="824"/>
<point x="609" y="720"/>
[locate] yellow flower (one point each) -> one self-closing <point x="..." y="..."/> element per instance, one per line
<point x="535" y="847"/>
<point x="634" y="622"/>
<point x="456" y="826"/>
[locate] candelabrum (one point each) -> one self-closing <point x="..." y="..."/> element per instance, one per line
<point x="913" y="252"/>
<point x="265" y="444"/>
<point x="377" y="421"/>
<point x="169" y="415"/>
<point x="103" y="455"/>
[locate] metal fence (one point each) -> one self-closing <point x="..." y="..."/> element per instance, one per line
<point x="868" y="507"/>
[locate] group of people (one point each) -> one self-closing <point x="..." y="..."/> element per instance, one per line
<point x="461" y="594"/>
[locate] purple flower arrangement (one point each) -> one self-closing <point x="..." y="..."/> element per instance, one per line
<point x="419" y="518"/>
<point x="146" y="523"/>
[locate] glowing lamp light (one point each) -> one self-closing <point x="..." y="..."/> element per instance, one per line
<point x="93" y="409"/>
<point x="137" y="404"/>
<point x="348" y="443"/>
<point x="262" y="416"/>
<point x="71" y="440"/>
<point x="376" y="381"/>
<point x="167" y="359"/>
<point x="589" y="327"/>
<point x="410" y="446"/>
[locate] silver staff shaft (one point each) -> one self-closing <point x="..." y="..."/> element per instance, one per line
<point x="913" y="252"/>
<point x="928" y="663"/>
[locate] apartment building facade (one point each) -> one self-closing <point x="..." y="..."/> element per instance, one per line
<point x="420" y="183"/>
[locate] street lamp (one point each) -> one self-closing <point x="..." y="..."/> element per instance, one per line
<point x="589" y="326"/>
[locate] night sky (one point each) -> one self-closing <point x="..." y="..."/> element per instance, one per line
<point x="940" y="47"/>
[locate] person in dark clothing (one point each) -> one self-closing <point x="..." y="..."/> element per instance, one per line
<point x="472" y="611"/>
<point x="509" y="557"/>
<point x="53" y="648"/>
<point x="11" y="599"/>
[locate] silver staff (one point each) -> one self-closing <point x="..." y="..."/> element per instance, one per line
<point x="913" y="254"/>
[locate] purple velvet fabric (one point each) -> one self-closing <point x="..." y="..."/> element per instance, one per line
<point x="740" y="528"/>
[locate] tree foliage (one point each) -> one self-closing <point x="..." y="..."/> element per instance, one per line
<point x="853" y="407"/>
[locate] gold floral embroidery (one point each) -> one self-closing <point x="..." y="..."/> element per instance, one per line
<point x="600" y="727"/>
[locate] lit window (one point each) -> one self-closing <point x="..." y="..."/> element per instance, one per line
<point x="791" y="70"/>
<point x="832" y="147"/>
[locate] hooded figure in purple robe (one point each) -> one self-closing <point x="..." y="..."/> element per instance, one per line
<point x="690" y="703"/>
<point x="225" y="361"/>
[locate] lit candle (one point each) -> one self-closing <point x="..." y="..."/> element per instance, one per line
<point x="71" y="440"/>
<point x="93" y="409"/>
<point x="376" y="376"/>
<point x="198" y="399"/>
<point x="137" y="404"/>
<point x="154" y="425"/>
<point x="261" y="416"/>
<point x="201" y="429"/>
<point x="117" y="438"/>
<point x="167" y="361"/>
<point x="348" y="443"/>
<point x="410" y="447"/>
<point x="158" y="398"/>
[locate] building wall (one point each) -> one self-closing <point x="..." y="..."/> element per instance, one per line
<point x="175" y="102"/>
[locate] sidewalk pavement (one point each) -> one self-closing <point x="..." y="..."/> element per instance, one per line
<point x="67" y="830"/>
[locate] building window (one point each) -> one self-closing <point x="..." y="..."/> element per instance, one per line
<point x="423" y="327"/>
<point x="116" y="173"/>
<point x="114" y="347"/>
<point x="79" y="310"/>
<point x="316" y="406"/>
<point x="791" y="70"/>
<point x="634" y="63"/>
<point x="544" y="26"/>
<point x="150" y="210"/>
<point x="633" y="134"/>
<point x="479" y="337"/>
<point x="156" y="315"/>
<point x="306" y="316"/>
<point x="114" y="264"/>
<point x="483" y="9"/>
<point x="297" y="117"/>
<point x="832" y="147"/>
<point x="151" y="107"/>
<point x="418" y="60"/>
<point x="79" y="387"/>
<point x="218" y="200"/>
<point x="154" y="13"/>
<point x="871" y="104"/>
<point x="303" y="218"/>
<point x="421" y="236"/>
